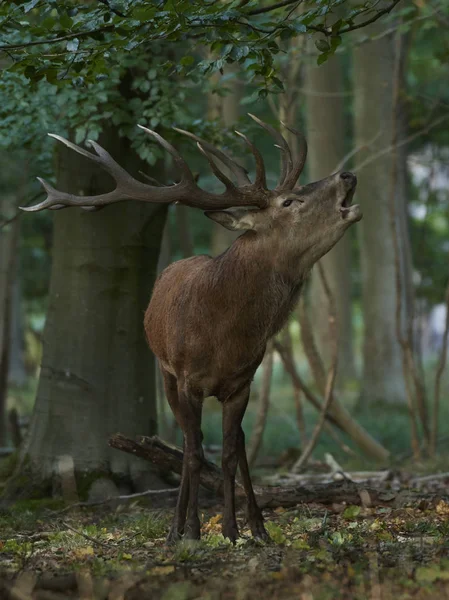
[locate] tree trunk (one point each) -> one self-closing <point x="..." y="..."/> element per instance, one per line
<point x="382" y="371"/>
<point x="9" y="235"/>
<point x="17" y="372"/>
<point x="227" y="110"/>
<point x="97" y="372"/>
<point x="326" y="137"/>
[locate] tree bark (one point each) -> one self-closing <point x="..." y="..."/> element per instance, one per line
<point x="225" y="109"/>
<point x="9" y="236"/>
<point x="326" y="128"/>
<point x="97" y="372"/>
<point x="17" y="372"/>
<point x="382" y="372"/>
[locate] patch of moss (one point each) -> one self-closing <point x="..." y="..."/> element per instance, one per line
<point x="8" y="465"/>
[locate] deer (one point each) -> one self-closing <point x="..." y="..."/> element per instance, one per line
<point x="209" y="319"/>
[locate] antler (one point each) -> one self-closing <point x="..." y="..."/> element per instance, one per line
<point x="290" y="170"/>
<point x="186" y="191"/>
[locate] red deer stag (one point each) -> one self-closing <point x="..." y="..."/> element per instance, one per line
<point x="209" y="319"/>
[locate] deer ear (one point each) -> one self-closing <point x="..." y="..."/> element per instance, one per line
<point x="237" y="219"/>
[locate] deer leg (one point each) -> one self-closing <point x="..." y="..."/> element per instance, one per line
<point x="177" y="527"/>
<point x="233" y="411"/>
<point x="255" y="518"/>
<point x="191" y="409"/>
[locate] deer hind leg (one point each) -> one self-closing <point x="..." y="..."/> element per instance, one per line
<point x="255" y="518"/>
<point x="179" y="519"/>
<point x="191" y="408"/>
<point x="233" y="410"/>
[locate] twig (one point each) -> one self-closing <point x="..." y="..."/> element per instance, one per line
<point x="328" y="31"/>
<point x="85" y="536"/>
<point x="19" y="212"/>
<point x="265" y="9"/>
<point x="300" y="420"/>
<point x="310" y="348"/>
<point x="400" y="143"/>
<point x="63" y="38"/>
<point x="356" y="150"/>
<point x="264" y="403"/>
<point x="433" y="477"/>
<point x="319" y="426"/>
<point x="438" y="376"/>
<point x="167" y="491"/>
<point x="330" y="381"/>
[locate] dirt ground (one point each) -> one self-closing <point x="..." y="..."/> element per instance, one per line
<point x="315" y="553"/>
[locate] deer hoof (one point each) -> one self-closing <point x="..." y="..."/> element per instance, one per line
<point x="173" y="537"/>
<point x="193" y="530"/>
<point x="231" y="532"/>
<point x="260" y="533"/>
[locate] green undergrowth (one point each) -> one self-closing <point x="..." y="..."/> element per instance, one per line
<point x="343" y="552"/>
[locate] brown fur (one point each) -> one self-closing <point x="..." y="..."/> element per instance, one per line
<point x="209" y="321"/>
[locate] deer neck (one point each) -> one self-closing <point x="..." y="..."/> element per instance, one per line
<point x="262" y="279"/>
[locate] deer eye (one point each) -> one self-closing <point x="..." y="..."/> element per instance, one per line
<point x="287" y="203"/>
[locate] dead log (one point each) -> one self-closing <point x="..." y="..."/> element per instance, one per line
<point x="169" y="458"/>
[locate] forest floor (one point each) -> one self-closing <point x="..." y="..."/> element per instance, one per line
<point x="315" y="553"/>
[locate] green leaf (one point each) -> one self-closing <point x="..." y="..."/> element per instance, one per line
<point x="299" y="27"/>
<point x="276" y="533"/>
<point x="351" y="512"/>
<point x="278" y="83"/>
<point x="322" y="58"/>
<point x="187" y="61"/>
<point x="337" y="538"/>
<point x="322" y="45"/>
<point x="66" y="21"/>
<point x="72" y="45"/>
<point x="29" y="6"/>
<point x="335" y="42"/>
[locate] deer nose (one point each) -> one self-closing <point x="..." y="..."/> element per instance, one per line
<point x="347" y="175"/>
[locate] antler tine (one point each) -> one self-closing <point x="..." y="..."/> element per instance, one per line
<point x="287" y="162"/>
<point x="261" y="179"/>
<point x="240" y="173"/>
<point x="216" y="171"/>
<point x="179" y="161"/>
<point x="296" y="170"/>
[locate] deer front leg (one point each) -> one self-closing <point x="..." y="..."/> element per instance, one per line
<point x="255" y="518"/>
<point x="179" y="518"/>
<point x="233" y="411"/>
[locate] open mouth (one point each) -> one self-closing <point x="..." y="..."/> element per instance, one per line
<point x="347" y="209"/>
<point x="345" y="204"/>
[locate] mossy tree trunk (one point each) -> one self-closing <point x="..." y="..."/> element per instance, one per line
<point x="225" y="109"/>
<point x="97" y="375"/>
<point x="9" y="236"/>
<point x="373" y="95"/>
<point x="325" y="112"/>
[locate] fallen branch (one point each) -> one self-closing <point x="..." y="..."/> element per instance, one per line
<point x="170" y="458"/>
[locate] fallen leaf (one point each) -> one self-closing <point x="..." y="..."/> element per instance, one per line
<point x="161" y="570"/>
<point x="83" y="552"/>
<point x="442" y="508"/>
<point x="351" y="512"/>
